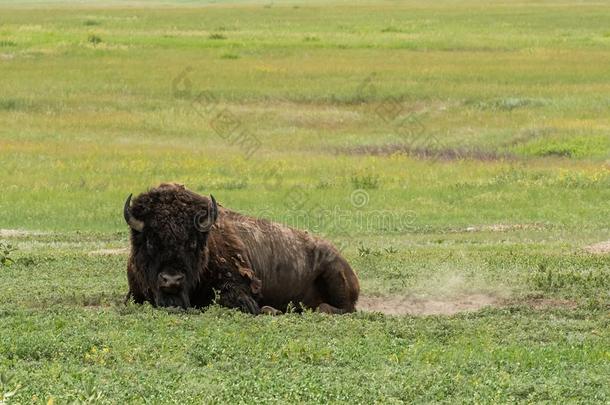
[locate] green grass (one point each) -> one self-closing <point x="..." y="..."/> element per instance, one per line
<point x="450" y="149"/>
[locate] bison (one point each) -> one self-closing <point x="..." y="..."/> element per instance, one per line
<point x="189" y="251"/>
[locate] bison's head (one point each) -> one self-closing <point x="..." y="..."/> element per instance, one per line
<point x="169" y="231"/>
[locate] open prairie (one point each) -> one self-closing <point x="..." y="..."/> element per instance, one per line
<point x="458" y="153"/>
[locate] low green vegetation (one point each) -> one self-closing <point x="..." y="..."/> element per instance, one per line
<point x="460" y="160"/>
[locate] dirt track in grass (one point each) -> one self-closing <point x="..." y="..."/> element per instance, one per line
<point x="600" y="248"/>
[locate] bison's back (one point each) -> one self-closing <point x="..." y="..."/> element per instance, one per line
<point x="285" y="259"/>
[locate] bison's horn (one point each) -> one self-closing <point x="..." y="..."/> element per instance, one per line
<point x="214" y="213"/>
<point x="133" y="223"/>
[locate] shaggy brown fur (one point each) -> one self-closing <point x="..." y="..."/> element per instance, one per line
<point x="247" y="263"/>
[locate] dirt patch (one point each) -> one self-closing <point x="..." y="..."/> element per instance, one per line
<point x="426" y="306"/>
<point x="601" y="248"/>
<point x="504" y="227"/>
<point x="19" y="233"/>
<point x="427" y="153"/>
<point x="110" y="252"/>
<point x="421" y="306"/>
<point x="547" y="303"/>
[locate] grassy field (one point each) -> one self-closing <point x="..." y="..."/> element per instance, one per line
<point x="457" y="152"/>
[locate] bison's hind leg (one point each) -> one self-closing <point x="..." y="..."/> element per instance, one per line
<point x="268" y="310"/>
<point x="325" y="308"/>
<point x="338" y="287"/>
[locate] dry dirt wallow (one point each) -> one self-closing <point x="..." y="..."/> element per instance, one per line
<point x="426" y="306"/>
<point x="422" y="306"/>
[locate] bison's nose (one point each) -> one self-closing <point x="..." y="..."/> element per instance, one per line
<point x="170" y="282"/>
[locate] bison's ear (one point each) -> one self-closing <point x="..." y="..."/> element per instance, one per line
<point x="133" y="223"/>
<point x="205" y="218"/>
